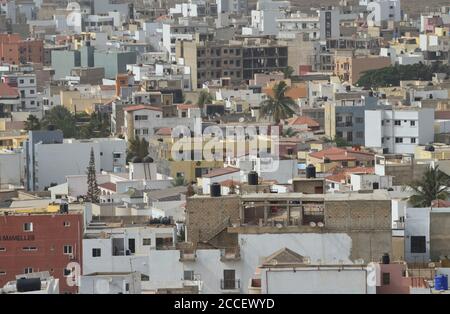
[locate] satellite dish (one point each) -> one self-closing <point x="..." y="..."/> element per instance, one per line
<point x="312" y="224"/>
<point x="279" y="226"/>
<point x="242" y="119"/>
<point x="320" y="224"/>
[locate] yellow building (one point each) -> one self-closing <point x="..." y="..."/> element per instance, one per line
<point x="436" y="151"/>
<point x="10" y="139"/>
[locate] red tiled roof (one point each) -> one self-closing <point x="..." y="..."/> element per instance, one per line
<point x="340" y="177"/>
<point x="7" y="91"/>
<point x="440" y="203"/>
<point x="327" y="152"/>
<point x="107" y="87"/>
<point x="336" y="153"/>
<point x="142" y="107"/>
<point x="301" y="120"/>
<point x="442" y="115"/>
<point x="186" y="106"/>
<point x="220" y="172"/>
<point x="108" y="186"/>
<point x="164" y="131"/>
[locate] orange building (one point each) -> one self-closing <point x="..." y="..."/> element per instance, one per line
<point x="15" y="50"/>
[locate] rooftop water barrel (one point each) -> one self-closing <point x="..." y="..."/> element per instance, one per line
<point x="441" y="282"/>
<point x="252" y="178"/>
<point x="215" y="190"/>
<point x="28" y="284"/>
<point x="385" y="259"/>
<point x="310" y="171"/>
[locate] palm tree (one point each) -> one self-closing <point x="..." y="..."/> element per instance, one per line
<point x="279" y="106"/>
<point x="288" y="71"/>
<point x="204" y="98"/>
<point x="432" y="186"/>
<point x="137" y="147"/>
<point x="290" y="132"/>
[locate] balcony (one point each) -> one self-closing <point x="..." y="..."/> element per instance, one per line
<point x="230" y="285"/>
<point x="187" y="255"/>
<point x="230" y="254"/>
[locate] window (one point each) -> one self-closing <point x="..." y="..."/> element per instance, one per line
<point x="127" y="287"/>
<point x="66" y="272"/>
<point x="66" y="223"/>
<point x="413" y="140"/>
<point x="359" y="120"/>
<point x="360" y="134"/>
<point x="32" y="91"/>
<point x="412" y="123"/>
<point x="29" y="248"/>
<point x="28" y="227"/>
<point x="398" y="122"/>
<point x="147" y="241"/>
<point x="386" y="278"/>
<point x="96" y="252"/>
<point x="2" y="273"/>
<point x="145" y="131"/>
<point x="28" y="270"/>
<point x="68" y="249"/>
<point x="116" y="155"/>
<point x="418" y="244"/>
<point x="2" y="249"/>
<point x="399" y="139"/>
<point x="188" y="275"/>
<point x="140" y="117"/>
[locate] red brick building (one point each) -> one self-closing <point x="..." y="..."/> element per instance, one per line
<point x="15" y="50"/>
<point x="40" y="242"/>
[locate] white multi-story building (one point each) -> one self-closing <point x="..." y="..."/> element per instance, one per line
<point x="8" y="9"/>
<point x="232" y="6"/>
<point x="383" y="10"/>
<point x="399" y="130"/>
<point x="108" y="248"/>
<point x="49" y="162"/>
<point x="27" y="88"/>
<point x="265" y="16"/>
<point x="143" y="120"/>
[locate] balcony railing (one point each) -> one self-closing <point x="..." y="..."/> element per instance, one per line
<point x="230" y="284"/>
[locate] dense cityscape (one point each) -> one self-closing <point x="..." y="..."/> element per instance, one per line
<point x="252" y="147"/>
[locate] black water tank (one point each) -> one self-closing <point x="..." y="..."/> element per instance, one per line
<point x="64" y="208"/>
<point x="348" y="88"/>
<point x="147" y="159"/>
<point x="28" y="284"/>
<point x="252" y="178"/>
<point x="136" y="160"/>
<point x="215" y="190"/>
<point x="385" y="259"/>
<point x="371" y="94"/>
<point x="429" y="148"/>
<point x="310" y="171"/>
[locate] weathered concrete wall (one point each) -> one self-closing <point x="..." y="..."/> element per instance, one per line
<point x="439" y="235"/>
<point x="367" y="222"/>
<point x="206" y="215"/>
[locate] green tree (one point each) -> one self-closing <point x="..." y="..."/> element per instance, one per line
<point x="279" y="106"/>
<point x="62" y="119"/>
<point x="137" y="147"/>
<point x="340" y="142"/>
<point x="289" y="132"/>
<point x="432" y="186"/>
<point x="204" y="98"/>
<point x="93" y="193"/>
<point x="178" y="181"/>
<point x="32" y="123"/>
<point x="98" y="126"/>
<point x="288" y="71"/>
<point x="391" y="76"/>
